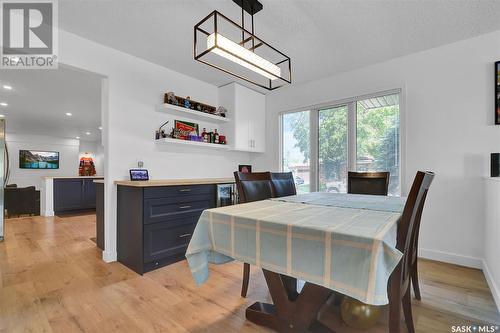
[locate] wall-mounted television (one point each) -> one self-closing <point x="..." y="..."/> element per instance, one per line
<point x="34" y="159"/>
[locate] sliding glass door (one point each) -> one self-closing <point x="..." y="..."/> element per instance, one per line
<point x="377" y="137"/>
<point x="295" y="150"/>
<point x="332" y="149"/>
<point x="361" y="134"/>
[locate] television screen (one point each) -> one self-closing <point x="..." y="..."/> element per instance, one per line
<point x="33" y="159"/>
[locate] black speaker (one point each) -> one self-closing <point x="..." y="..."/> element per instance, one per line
<point x="495" y="164"/>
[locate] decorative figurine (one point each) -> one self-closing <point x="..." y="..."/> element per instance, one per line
<point x="221" y="111"/>
<point x="187" y="103"/>
<point x="198" y="107"/>
<point x="171" y="98"/>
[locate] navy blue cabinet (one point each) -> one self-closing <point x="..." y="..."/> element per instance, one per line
<point x="155" y="224"/>
<point x="74" y="194"/>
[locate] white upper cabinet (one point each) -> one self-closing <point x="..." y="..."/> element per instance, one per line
<point x="247" y="110"/>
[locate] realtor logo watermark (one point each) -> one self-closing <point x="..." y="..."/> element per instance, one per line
<point x="29" y="34"/>
<point x="475" y="328"/>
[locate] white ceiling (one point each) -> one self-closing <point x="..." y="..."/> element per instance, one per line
<point x="323" y="37"/>
<point x="39" y="100"/>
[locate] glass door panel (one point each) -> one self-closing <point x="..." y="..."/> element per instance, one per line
<point x="377" y="134"/>
<point x="296" y="148"/>
<point x="332" y="149"/>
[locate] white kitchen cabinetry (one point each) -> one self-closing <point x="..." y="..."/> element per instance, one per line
<point x="247" y="110"/>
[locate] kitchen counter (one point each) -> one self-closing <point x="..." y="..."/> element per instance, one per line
<point x="174" y="182"/>
<point x="70" y="177"/>
<point x="99" y="181"/>
<point x="67" y="193"/>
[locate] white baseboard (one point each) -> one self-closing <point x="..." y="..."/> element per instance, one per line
<point x="491" y="283"/>
<point x="451" y="258"/>
<point x="48" y="213"/>
<point x="109" y="256"/>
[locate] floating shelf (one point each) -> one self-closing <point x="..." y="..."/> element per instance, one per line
<point x="165" y="141"/>
<point x="194" y="114"/>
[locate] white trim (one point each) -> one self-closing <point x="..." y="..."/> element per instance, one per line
<point x="352" y="136"/>
<point x="495" y="291"/>
<point x="451" y="258"/>
<point x="313" y="150"/>
<point x="109" y="256"/>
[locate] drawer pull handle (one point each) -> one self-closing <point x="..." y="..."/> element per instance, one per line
<point x="185" y="235"/>
<point x="185" y="190"/>
<point x="184" y="207"/>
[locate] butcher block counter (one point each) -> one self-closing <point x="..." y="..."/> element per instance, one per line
<point x="174" y="182"/>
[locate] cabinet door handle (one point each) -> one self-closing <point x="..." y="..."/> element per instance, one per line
<point x="184" y="207"/>
<point x="185" y="190"/>
<point x="185" y="235"/>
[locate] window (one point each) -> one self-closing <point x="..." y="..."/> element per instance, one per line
<point x="332" y="149"/>
<point x="363" y="134"/>
<point x="295" y="149"/>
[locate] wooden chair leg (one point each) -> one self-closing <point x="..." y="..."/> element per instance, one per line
<point x="407" y="311"/>
<point x="246" y="279"/>
<point x="414" y="281"/>
<point x="394" y="294"/>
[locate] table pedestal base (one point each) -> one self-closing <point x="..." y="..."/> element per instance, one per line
<point x="291" y="312"/>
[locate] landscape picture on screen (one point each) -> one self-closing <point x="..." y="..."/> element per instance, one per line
<point x="32" y="159"/>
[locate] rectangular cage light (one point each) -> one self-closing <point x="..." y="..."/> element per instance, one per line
<point x="220" y="43"/>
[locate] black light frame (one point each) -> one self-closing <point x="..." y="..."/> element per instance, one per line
<point x="251" y="37"/>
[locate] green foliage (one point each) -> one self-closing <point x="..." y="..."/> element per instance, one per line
<point x="332" y="142"/>
<point x="377" y="139"/>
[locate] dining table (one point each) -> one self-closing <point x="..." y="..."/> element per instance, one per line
<point x="334" y="242"/>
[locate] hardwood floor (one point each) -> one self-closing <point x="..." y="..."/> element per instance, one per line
<point x="53" y="280"/>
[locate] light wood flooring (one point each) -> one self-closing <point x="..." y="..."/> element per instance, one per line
<point x="53" y="280"/>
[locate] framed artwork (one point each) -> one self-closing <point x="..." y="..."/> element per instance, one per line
<point x="245" y="168"/>
<point x="186" y="129"/>
<point x="497" y="93"/>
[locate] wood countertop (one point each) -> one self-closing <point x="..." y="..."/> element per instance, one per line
<point x="174" y="182"/>
<point x="71" y="177"/>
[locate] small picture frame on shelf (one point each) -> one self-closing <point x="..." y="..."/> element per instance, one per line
<point x="186" y="129"/>
<point x="245" y="168"/>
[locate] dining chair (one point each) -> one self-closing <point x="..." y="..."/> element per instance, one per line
<point x="252" y="186"/>
<point x="374" y="183"/>
<point x="399" y="286"/>
<point x="414" y="260"/>
<point x="283" y="184"/>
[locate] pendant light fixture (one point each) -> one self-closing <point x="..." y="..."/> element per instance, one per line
<point x="223" y="44"/>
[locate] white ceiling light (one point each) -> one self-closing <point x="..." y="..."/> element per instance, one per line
<point x="249" y="52"/>
<point x="4" y="104"/>
<point x="7" y="87"/>
<point x="69" y="114"/>
<point x="242" y="56"/>
<point x="100" y="128"/>
<point x="2" y="116"/>
<point x="78" y="138"/>
<point x="88" y="133"/>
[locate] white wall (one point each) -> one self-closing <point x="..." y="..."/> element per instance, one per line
<point x="68" y="157"/>
<point x="131" y="90"/>
<point x="448" y="104"/>
<point x="491" y="265"/>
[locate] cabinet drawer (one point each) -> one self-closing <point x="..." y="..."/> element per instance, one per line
<point x="176" y="191"/>
<point x="164" y="209"/>
<point x="163" y="240"/>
